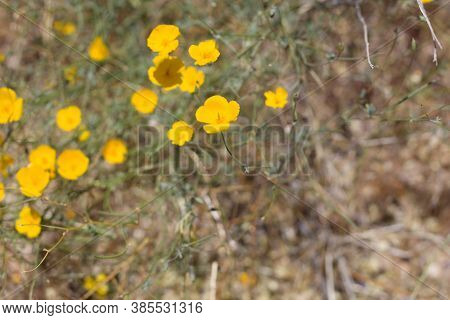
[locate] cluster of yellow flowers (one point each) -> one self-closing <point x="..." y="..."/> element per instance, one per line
<point x="169" y="72"/>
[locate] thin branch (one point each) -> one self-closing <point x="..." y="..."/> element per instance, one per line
<point x="436" y="43"/>
<point x="366" y="32"/>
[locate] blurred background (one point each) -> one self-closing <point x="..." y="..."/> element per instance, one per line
<point x="364" y="216"/>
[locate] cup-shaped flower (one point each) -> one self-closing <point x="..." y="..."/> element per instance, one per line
<point x="163" y="38"/>
<point x="72" y="164"/>
<point x="144" y="100"/>
<point x="10" y="106"/>
<point x="180" y="133"/>
<point x="45" y="157"/>
<point x="168" y="72"/>
<point x="68" y="119"/>
<point x="115" y="151"/>
<point x="32" y="180"/>
<point x="192" y="79"/>
<point x="217" y="113"/>
<point x="277" y="98"/>
<point x="29" y="222"/>
<point x="98" y="51"/>
<point x="205" y="52"/>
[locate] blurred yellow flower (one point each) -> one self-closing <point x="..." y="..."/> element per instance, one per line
<point x="192" y="79"/>
<point x="168" y="72"/>
<point x="29" y="222"/>
<point x="99" y="282"/>
<point x="72" y="164"/>
<point x="151" y="72"/>
<point x="5" y="161"/>
<point x="85" y="134"/>
<point x="98" y="51"/>
<point x="2" y="57"/>
<point x="68" y="118"/>
<point x="144" y="100"/>
<point x="180" y="133"/>
<point x="45" y="157"/>
<point x="10" y="106"/>
<point x="426" y="1"/>
<point x="205" y="52"/>
<point x="70" y="74"/>
<point x="2" y="191"/>
<point x="163" y="38"/>
<point x="64" y="28"/>
<point x="277" y="99"/>
<point x="115" y="151"/>
<point x="217" y="113"/>
<point x="32" y="180"/>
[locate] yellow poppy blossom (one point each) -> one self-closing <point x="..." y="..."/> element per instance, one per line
<point x="217" y="113"/>
<point x="2" y="191"/>
<point x="144" y="100"/>
<point x="192" y="79"/>
<point x="64" y="28"/>
<point x="72" y="164"/>
<point x="180" y="133"/>
<point x="29" y="222"/>
<point x="426" y="1"/>
<point x="5" y="161"/>
<point x="205" y="52"/>
<point x="32" y="180"/>
<point x="84" y="135"/>
<point x="45" y="157"/>
<point x="2" y="57"/>
<point x="99" y="282"/>
<point x="277" y="98"/>
<point x="168" y="72"/>
<point x="68" y="118"/>
<point x="163" y="38"/>
<point x="115" y="151"/>
<point x="98" y="51"/>
<point x="10" y="106"/>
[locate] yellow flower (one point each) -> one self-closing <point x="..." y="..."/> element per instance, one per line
<point x="277" y="99"/>
<point x="2" y="192"/>
<point x="115" y="151"/>
<point x="180" y="133"/>
<point x="2" y="57"/>
<point x="45" y="157"/>
<point x="64" y="28"/>
<point x="217" y="113"/>
<point x="144" y="100"/>
<point x="426" y="1"/>
<point x="10" y="106"/>
<point x="192" y="79"/>
<point x="72" y="164"/>
<point x="5" y="161"/>
<point x="98" y="51"/>
<point x="167" y="73"/>
<point x="99" y="282"/>
<point x="151" y="72"/>
<point x="32" y="180"/>
<point x="70" y="74"/>
<point x="85" y="134"/>
<point x="163" y="38"/>
<point x="205" y="52"/>
<point x="29" y="222"/>
<point x="68" y="118"/>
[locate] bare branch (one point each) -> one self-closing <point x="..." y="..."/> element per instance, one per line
<point x="436" y="42"/>
<point x="366" y="32"/>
